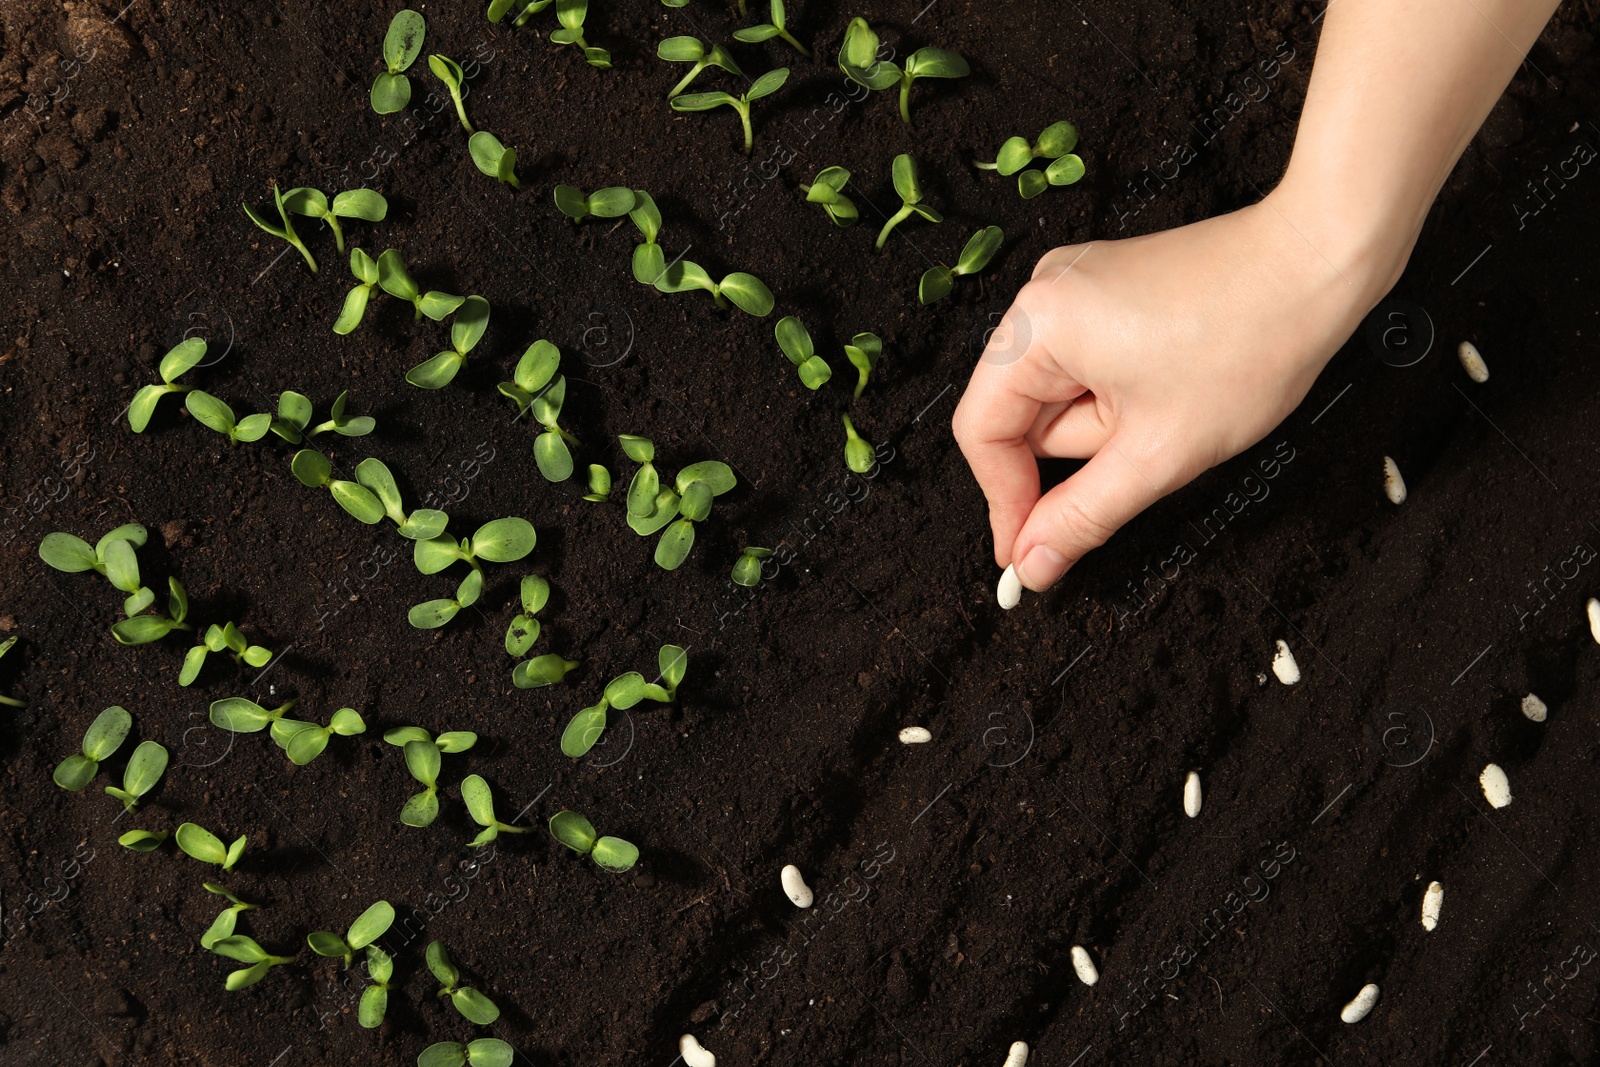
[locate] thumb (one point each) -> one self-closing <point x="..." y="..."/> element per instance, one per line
<point x="1081" y="514"/>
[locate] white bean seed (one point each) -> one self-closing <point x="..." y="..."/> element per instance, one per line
<point x="1593" y="609"/>
<point x="1018" y="1056"/>
<point x="1010" y="589"/>
<point x="1432" y="902"/>
<point x="1496" y="787"/>
<point x="693" y="1055"/>
<point x="1472" y="362"/>
<point x="1087" y="973"/>
<point x="1284" y="666"/>
<point x="794" y="884"/>
<point x="915" y="735"/>
<point x="1394" y="486"/>
<point x="1191" y="794"/>
<point x="1534" y="708"/>
<point x="1357" y="1009"/>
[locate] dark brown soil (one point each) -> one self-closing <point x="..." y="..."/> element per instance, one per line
<point x="952" y="878"/>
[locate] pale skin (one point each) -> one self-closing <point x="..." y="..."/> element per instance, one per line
<point x="1158" y="357"/>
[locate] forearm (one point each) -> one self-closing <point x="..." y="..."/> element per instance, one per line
<point x="1399" y="89"/>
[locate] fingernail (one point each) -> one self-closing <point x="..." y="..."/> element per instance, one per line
<point x="1041" y="567"/>
<point x="1010" y="591"/>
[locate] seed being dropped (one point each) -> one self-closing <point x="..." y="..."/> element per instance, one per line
<point x="1191" y="794"/>
<point x="1018" y="1056"/>
<point x="1432" y="902"/>
<point x="1087" y="973"/>
<point x="1394" y="486"/>
<point x="1284" y="666"/>
<point x="693" y="1055"/>
<point x="1010" y="590"/>
<point x="1593" y="608"/>
<point x="1534" y="708"/>
<point x="1496" y="787"/>
<point x="1472" y="362"/>
<point x="1357" y="1009"/>
<point x="794" y="884"/>
<point x="915" y="735"/>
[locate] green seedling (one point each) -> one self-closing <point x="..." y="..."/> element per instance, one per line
<point x="314" y="471"/>
<point x="241" y="715"/>
<point x="910" y="190"/>
<point x="795" y="340"/>
<point x="374" y="1003"/>
<point x="859" y="456"/>
<point x="1054" y="144"/>
<point x="696" y="51"/>
<point x="104" y="736"/>
<point x="466" y="330"/>
<point x="480" y="805"/>
<point x="499" y="8"/>
<point x="143" y="840"/>
<point x="350" y="204"/>
<point x="5" y="646"/>
<point x="113" y="556"/>
<point x="648" y="260"/>
<point x="863" y="352"/>
<point x="213" y="414"/>
<point x="524" y="628"/>
<point x="676" y="510"/>
<point x="422" y="755"/>
<point x="498" y="541"/>
<point x="432" y="614"/>
<point x="394" y="280"/>
<point x="284" y="232"/>
<point x="391" y="90"/>
<point x="979" y="250"/>
<point x="577" y="833"/>
<point x="293" y="421"/>
<point x="305" y="741"/>
<point x="420" y="524"/>
<point x="747" y="292"/>
<point x="766" y="85"/>
<point x="449" y="71"/>
<point x="858" y="59"/>
<point x="145" y="768"/>
<point x="183" y="358"/>
<point x="365" y="271"/>
<point x="484" y="1052"/>
<point x="609" y="203"/>
<point x="143" y="629"/>
<point x="599" y="484"/>
<point x="448" y="742"/>
<point x="473" y="1005"/>
<point x="583" y="732"/>
<point x="201" y="844"/>
<point x="768" y="30"/>
<point x="535" y="386"/>
<point x="571" y="15"/>
<point x="368" y="927"/>
<point x="747" y="568"/>
<point x="223" y="925"/>
<point x="540" y="671"/>
<point x="827" y="189"/>
<point x="532" y="375"/>
<point x="242" y="949"/>
<point x="494" y="158"/>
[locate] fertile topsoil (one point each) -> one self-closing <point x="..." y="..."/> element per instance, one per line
<point x="952" y="878"/>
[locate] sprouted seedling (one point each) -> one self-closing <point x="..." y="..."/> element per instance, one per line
<point x="540" y="671"/>
<point x="145" y="768"/>
<point x="480" y="805"/>
<point x="768" y="30"/>
<point x="391" y="90"/>
<point x="612" y="202"/>
<point x="199" y="843"/>
<point x="243" y="949"/>
<point x="484" y="1052"/>
<point x="577" y="833"/>
<point x="599" y="485"/>
<point x="473" y="1005"/>
<point x="104" y="736"/>
<point x="531" y="375"/>
<point x="394" y="280"/>
<point x="747" y="568"/>
<point x="350" y="204"/>
<point x="859" y="456"/>
<point x="5" y="646"/>
<point x="648" y="259"/>
<point x="693" y="50"/>
<point x="314" y="471"/>
<point x="863" y="352"/>
<point x="293" y="422"/>
<point x="432" y="614"/>
<point x="497" y="541"/>
<point x="795" y="340"/>
<point x="216" y="415"/>
<point x="827" y="189"/>
<point x="284" y="232"/>
<point x="679" y="508"/>
<point x="524" y="628"/>
<point x="143" y="629"/>
<point x="747" y="292"/>
<point x="466" y="329"/>
<point x="374" y="1003"/>
<point x="858" y="59"/>
<point x="910" y="190"/>
<point x="535" y="386"/>
<point x="1055" y="144"/>
<point x="571" y="14"/>
<point x="143" y="840"/>
<point x="979" y="250"/>
<point x="367" y="928"/>
<point x="241" y="715"/>
<point x="422" y="755"/>
<point x="223" y="925"/>
<point x="584" y="730"/>
<point x="766" y="85"/>
<point x="494" y="158"/>
<point x="305" y="741"/>
<point x="183" y="358"/>
<point x="356" y="300"/>
<point x="112" y="556"/>
<point x="420" y="524"/>
<point x="449" y="71"/>
<point x="499" y="8"/>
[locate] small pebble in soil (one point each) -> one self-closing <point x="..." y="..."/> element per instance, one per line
<point x="794" y="884"/>
<point x="1432" y="902"/>
<point x="1010" y="589"/>
<point x="1593" y="610"/>
<point x="1358" y="1008"/>
<point x="1394" y="486"/>
<point x="1018" y="1056"/>
<point x="1472" y="362"/>
<point x="915" y="735"/>
<point x="1087" y="973"/>
<point x="1191" y="795"/>
<point x="1284" y="666"/>
<point x="1534" y="709"/>
<point x="1496" y="787"/>
<point x="694" y="1055"/>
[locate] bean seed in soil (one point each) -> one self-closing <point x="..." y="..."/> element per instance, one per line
<point x="1018" y="1056"/>
<point x="1534" y="708"/>
<point x="1358" y="1008"/>
<point x="1010" y="590"/>
<point x="794" y="884"/>
<point x="1284" y="666"/>
<point x="1088" y="974"/>
<point x="693" y="1054"/>
<point x="1472" y="362"/>
<point x="1394" y="486"/>
<point x="1432" y="902"/>
<point x="1191" y="795"/>
<point x="915" y="735"/>
<point x="1496" y="787"/>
